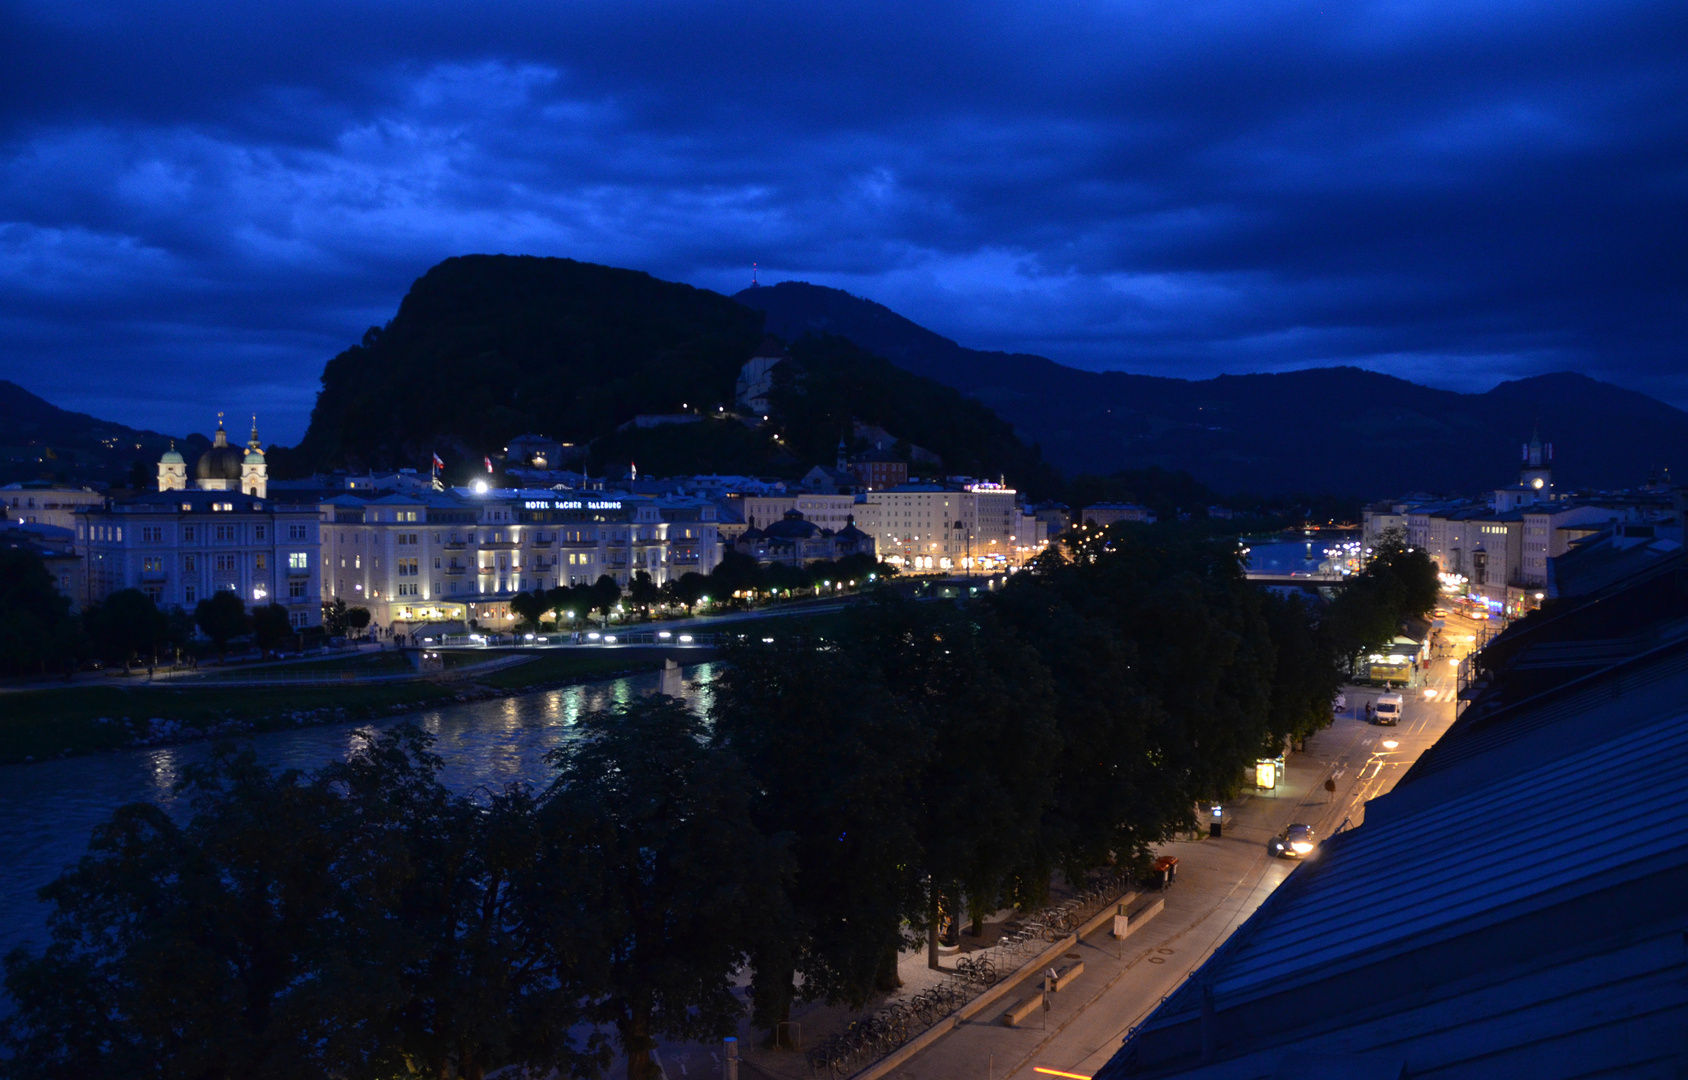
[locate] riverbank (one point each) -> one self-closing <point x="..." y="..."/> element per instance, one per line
<point x="37" y="725"/>
<point x="89" y="718"/>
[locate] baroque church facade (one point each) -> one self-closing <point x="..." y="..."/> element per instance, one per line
<point x="210" y="531"/>
<point x="221" y="468"/>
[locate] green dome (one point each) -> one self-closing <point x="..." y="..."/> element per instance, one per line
<point x="171" y="457"/>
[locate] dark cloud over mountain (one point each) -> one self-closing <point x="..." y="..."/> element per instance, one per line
<point x="200" y="203"/>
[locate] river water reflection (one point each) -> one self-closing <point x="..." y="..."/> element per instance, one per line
<point x="48" y="809"/>
<point x="1290" y="554"/>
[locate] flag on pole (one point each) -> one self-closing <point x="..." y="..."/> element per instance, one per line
<point x="438" y="464"/>
<point x="488" y="464"/>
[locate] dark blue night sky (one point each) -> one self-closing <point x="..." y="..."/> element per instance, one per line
<point x="201" y="202"/>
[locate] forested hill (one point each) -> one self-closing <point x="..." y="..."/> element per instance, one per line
<point x="1336" y="430"/>
<point x="486" y="347"/>
<point x="40" y="441"/>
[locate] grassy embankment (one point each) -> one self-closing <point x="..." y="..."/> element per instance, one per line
<point x="41" y="724"/>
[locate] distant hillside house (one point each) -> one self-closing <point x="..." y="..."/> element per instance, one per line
<point x="878" y="471"/>
<point x="882" y="442"/>
<point x="1104" y="514"/>
<point x="651" y="420"/>
<point x="824" y="480"/>
<point x="756" y="377"/>
<point x="539" y="452"/>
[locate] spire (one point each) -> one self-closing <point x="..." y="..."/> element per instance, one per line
<point x="222" y="437"/>
<point x="254" y="444"/>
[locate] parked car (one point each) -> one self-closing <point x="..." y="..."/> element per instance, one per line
<point x="1294" y="842"/>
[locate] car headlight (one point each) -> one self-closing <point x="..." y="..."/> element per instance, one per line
<point x="1302" y="849"/>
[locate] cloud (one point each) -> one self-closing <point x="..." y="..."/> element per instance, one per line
<point x="204" y="201"/>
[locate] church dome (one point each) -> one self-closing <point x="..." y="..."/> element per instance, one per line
<point x="218" y="463"/>
<point x="254" y="456"/>
<point x="172" y="457"/>
<point x="221" y="462"/>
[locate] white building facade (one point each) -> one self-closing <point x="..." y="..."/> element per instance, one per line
<point x="179" y="547"/>
<point x="47" y="504"/>
<point x="930" y="528"/>
<point x="456" y="555"/>
<point x="827" y="511"/>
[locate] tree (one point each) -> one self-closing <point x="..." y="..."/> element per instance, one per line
<point x="186" y="949"/>
<point x="433" y="951"/>
<point x="222" y="617"/>
<point x="357" y="619"/>
<point x="690" y="588"/>
<point x="36" y="627"/>
<point x="984" y="698"/>
<point x="604" y="596"/>
<point x="783" y="577"/>
<point x="141" y="476"/>
<point x="836" y="760"/>
<point x="566" y="602"/>
<point x="529" y="606"/>
<point x="1307" y="672"/>
<point x="127" y="625"/>
<point x="270" y="626"/>
<point x="373" y="936"/>
<point x="1396" y="583"/>
<point x="650" y="884"/>
<point x="642" y="591"/>
<point x="334" y="617"/>
<point x="735" y="573"/>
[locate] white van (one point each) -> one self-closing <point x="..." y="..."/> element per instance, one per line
<point x="1389" y="708"/>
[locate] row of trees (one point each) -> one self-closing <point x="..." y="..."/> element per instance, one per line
<point x="930" y="763"/>
<point x="38" y="632"/>
<point x="736" y="577"/>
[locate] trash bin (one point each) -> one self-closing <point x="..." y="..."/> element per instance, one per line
<point x="1166" y="871"/>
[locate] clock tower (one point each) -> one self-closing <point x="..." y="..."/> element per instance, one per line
<point x="1537" y="473"/>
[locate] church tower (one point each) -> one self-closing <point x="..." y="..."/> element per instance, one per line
<point x="254" y="471"/>
<point x="172" y="470"/>
<point x="1537" y="473"/>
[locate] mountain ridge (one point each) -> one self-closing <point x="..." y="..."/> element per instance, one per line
<point x="1337" y="430"/>
<point x="40" y="440"/>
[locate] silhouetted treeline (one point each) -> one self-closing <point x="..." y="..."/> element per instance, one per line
<point x="932" y="761"/>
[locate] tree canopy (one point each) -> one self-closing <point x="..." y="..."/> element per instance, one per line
<point x="919" y="762"/>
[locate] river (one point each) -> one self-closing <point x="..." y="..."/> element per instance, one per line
<point x="1289" y="553"/>
<point x="49" y="808"/>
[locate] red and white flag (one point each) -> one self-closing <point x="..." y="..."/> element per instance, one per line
<point x="488" y="464"/>
<point x="438" y="464"/>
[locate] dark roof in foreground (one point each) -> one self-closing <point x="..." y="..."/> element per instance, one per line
<point x="1516" y="907"/>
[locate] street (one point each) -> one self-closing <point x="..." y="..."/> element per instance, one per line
<point x="1220" y="883"/>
